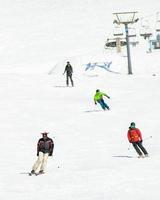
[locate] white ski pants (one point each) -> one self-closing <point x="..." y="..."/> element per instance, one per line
<point x="41" y="162"/>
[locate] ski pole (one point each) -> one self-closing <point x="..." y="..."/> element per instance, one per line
<point x="129" y="147"/>
<point x="146" y="138"/>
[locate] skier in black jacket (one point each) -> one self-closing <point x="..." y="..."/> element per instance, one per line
<point x="69" y="71"/>
<point x="45" y="148"/>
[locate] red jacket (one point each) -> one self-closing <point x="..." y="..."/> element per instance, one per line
<point x="134" y="135"/>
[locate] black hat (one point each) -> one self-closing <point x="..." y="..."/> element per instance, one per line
<point x="45" y="133"/>
<point x="97" y="90"/>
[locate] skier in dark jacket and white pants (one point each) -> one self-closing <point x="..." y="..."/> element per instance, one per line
<point x="69" y="71"/>
<point x="45" y="148"/>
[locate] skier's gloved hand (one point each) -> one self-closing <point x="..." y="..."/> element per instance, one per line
<point x="108" y="97"/>
<point x="95" y="103"/>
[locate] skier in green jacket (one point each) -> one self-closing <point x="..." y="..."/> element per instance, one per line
<point x="98" y="97"/>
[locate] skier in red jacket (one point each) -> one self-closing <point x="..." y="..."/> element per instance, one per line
<point x="135" y="137"/>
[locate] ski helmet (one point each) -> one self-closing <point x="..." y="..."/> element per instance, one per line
<point x="133" y="125"/>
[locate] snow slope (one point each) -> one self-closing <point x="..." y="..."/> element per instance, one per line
<point x="92" y="158"/>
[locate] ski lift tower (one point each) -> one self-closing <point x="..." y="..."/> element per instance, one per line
<point x="126" y="18"/>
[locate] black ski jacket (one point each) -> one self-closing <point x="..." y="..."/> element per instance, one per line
<point x="45" y="146"/>
<point x="68" y="70"/>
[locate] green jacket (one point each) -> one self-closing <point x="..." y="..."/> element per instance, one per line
<point x="99" y="95"/>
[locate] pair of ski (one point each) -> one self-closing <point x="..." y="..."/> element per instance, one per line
<point x="34" y="174"/>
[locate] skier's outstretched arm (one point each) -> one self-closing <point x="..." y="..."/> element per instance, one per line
<point x="106" y="95"/>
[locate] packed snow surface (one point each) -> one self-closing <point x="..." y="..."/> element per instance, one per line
<point x="92" y="159"/>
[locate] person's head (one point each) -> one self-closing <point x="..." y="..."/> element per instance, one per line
<point x="68" y="62"/>
<point x="97" y="90"/>
<point x="45" y="134"/>
<point x="132" y="125"/>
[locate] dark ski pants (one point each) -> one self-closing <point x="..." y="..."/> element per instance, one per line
<point x="139" y="148"/>
<point x="103" y="104"/>
<point x="69" y="76"/>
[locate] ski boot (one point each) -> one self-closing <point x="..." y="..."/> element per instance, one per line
<point x="141" y="156"/>
<point x="32" y="173"/>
